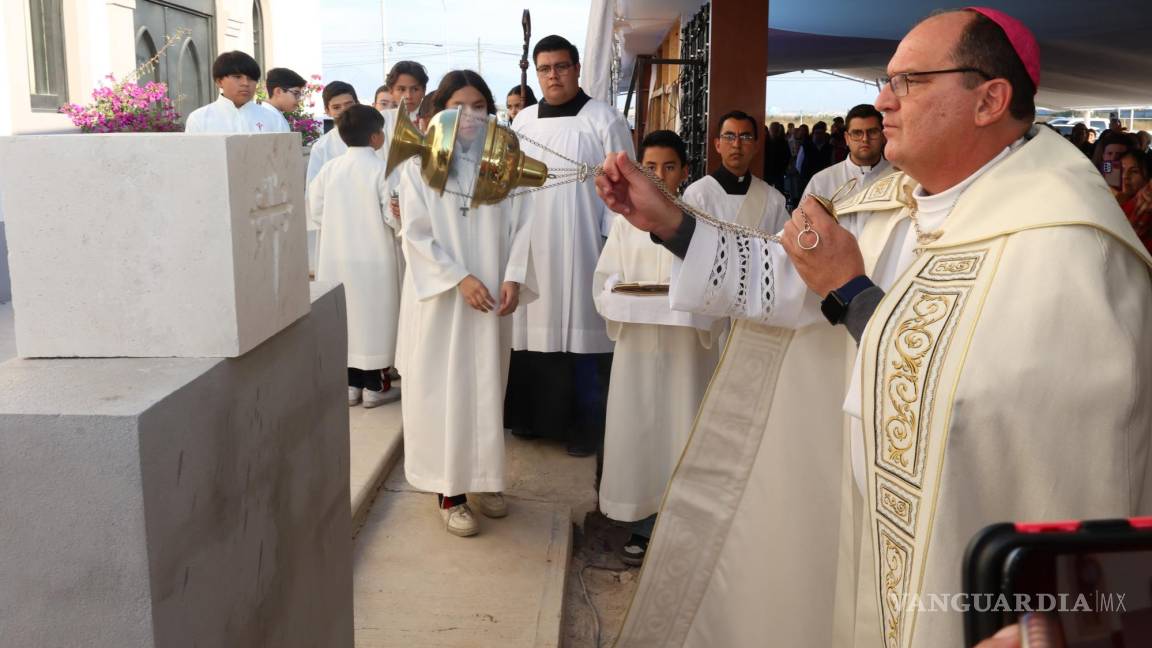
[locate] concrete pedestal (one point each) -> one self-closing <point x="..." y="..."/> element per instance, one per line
<point x="163" y="503"/>
<point x="153" y="244"/>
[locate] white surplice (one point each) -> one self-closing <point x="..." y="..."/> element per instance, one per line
<point x="222" y="116"/>
<point x="661" y="366"/>
<point x="836" y="178"/>
<point x="568" y="225"/>
<point x="348" y="203"/>
<point x="454" y="358"/>
<point x="708" y="194"/>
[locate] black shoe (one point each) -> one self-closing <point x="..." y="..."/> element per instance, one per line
<point x="524" y="433"/>
<point x="576" y="449"/>
<point x="633" y="551"/>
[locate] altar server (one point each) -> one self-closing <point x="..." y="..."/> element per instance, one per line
<point x="236" y="74"/>
<point x="661" y="365"/>
<point x="348" y="203"/>
<point x="465" y="268"/>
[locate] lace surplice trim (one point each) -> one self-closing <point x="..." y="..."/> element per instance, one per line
<point x="714" y="292"/>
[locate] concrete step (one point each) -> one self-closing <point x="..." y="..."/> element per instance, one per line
<point x="417" y="586"/>
<point x="376" y="440"/>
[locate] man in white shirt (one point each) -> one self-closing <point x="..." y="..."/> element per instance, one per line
<point x="865" y="162"/>
<point x="236" y="74"/>
<point x="285" y="88"/>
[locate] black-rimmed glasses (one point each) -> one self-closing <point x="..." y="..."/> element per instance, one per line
<point x="900" y="82"/>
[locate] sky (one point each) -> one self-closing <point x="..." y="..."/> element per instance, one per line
<point x="443" y="35"/>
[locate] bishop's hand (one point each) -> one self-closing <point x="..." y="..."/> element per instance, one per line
<point x="628" y="192"/>
<point x="833" y="261"/>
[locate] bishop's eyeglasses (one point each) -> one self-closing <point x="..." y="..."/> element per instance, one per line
<point x="900" y="82"/>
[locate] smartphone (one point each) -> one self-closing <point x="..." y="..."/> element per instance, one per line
<point x="1094" y="578"/>
<point x="1112" y="173"/>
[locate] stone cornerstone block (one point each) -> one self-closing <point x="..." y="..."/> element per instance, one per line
<point x="153" y="245"/>
<point x="174" y="502"/>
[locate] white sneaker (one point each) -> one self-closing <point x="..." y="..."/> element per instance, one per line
<point x="490" y="504"/>
<point x="355" y="395"/>
<point x="378" y="398"/>
<point x="459" y="520"/>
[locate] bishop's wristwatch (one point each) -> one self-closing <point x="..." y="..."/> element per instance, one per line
<point x="835" y="305"/>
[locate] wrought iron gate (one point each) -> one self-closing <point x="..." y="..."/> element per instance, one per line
<point x="694" y="91"/>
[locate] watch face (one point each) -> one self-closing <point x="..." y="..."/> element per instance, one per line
<point x="832" y="308"/>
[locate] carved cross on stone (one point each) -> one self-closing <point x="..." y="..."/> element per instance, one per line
<point x="271" y="218"/>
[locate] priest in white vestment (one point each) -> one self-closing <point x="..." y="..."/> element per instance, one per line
<point x="1003" y="349"/>
<point x="732" y="187"/>
<point x="235" y="110"/>
<point x="660" y="368"/>
<point x="864" y="134"/>
<point x="559" y="378"/>
<point x="465" y="268"/>
<point x="348" y="204"/>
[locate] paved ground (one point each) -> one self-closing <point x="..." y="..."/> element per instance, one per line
<point x="417" y="586"/>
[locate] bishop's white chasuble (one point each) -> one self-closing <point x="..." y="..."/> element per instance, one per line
<point x="1003" y="377"/>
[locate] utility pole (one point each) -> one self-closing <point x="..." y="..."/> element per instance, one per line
<point x="479" y="65"/>
<point x="383" y="47"/>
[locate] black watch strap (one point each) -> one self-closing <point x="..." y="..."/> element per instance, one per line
<point x="835" y="305"/>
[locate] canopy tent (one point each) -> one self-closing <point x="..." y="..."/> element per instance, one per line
<point x="1093" y="54"/>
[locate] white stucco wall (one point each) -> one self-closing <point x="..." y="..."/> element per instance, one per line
<point x="99" y="39"/>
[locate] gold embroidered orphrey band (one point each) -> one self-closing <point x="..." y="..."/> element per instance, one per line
<point x="906" y="424"/>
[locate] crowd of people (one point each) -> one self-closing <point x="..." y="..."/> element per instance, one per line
<point x="594" y="313"/>
<point x="1125" y="161"/>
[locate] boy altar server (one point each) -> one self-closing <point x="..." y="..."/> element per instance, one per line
<point x="348" y="203"/>
<point x="236" y="74"/>
<point x="663" y="361"/>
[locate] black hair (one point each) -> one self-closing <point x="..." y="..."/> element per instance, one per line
<point x="664" y="139"/>
<point x="984" y="45"/>
<point x="284" y="79"/>
<point x="555" y="43"/>
<point x="457" y="79"/>
<point x="820" y="126"/>
<point x="529" y="96"/>
<point x="235" y="62"/>
<point x="411" y="68"/>
<point x="863" y="111"/>
<point x="337" y="88"/>
<point x="383" y="88"/>
<point x="738" y="114"/>
<point x="1142" y="161"/>
<point x="357" y="124"/>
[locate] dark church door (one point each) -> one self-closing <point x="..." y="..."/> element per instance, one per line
<point x="186" y="66"/>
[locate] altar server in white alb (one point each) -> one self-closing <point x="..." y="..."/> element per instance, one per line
<point x="661" y="365"/>
<point x="979" y="396"/>
<point x="559" y="381"/>
<point x="285" y="87"/>
<point x="465" y="268"/>
<point x="731" y="192"/>
<point x="348" y="203"/>
<point x="338" y="96"/>
<point x="235" y="111"/>
<point x="865" y="164"/>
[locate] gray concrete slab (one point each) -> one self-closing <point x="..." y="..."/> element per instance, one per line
<point x="167" y="502"/>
